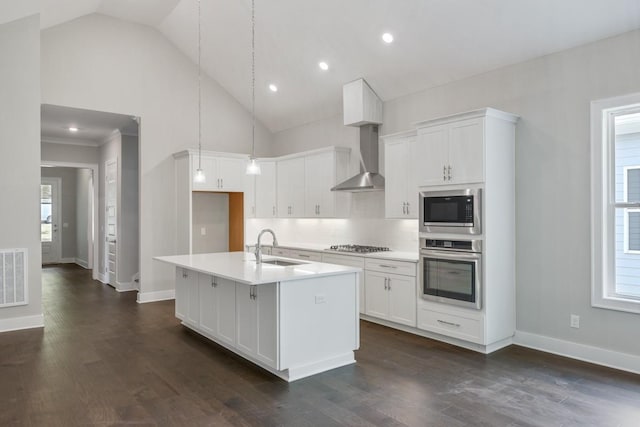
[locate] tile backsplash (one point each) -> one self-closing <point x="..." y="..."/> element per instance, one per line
<point x="366" y="226"/>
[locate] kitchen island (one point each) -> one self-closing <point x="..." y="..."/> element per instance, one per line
<point x="293" y="318"/>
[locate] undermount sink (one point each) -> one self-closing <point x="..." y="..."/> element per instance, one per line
<point x="282" y="262"/>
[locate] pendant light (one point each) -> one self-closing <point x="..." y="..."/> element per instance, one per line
<point x="199" y="177"/>
<point x="253" y="168"/>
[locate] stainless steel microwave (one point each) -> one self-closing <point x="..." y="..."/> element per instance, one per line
<point x="451" y="211"/>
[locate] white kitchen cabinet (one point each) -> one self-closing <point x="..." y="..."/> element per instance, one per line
<point x="361" y="105"/>
<point x="225" y="308"/>
<point x="401" y="164"/>
<point x="452" y="153"/>
<point x="222" y="173"/>
<point x="257" y="321"/>
<point x="290" y="187"/>
<point x="324" y="170"/>
<point x="208" y="303"/>
<point x="250" y="196"/>
<point x="265" y="191"/>
<point x="390" y="290"/>
<point x="350" y="261"/>
<point x="190" y="280"/>
<point x="184" y="280"/>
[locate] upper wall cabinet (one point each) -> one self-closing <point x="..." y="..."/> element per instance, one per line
<point x="222" y="173"/>
<point x="304" y="182"/>
<point x="266" y="202"/>
<point x="361" y="105"/>
<point x="401" y="165"/>
<point x="453" y="149"/>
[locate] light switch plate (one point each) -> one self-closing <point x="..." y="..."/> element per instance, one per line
<point x="320" y="299"/>
<point x="203" y="231"/>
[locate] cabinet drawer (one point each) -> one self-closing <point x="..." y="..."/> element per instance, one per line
<point x="464" y="328"/>
<point x="394" y="267"/>
<point x="349" y="261"/>
<point x="280" y="252"/>
<point x="306" y="255"/>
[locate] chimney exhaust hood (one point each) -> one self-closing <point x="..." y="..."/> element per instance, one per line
<point x="363" y="108"/>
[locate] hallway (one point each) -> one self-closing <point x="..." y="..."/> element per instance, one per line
<point x="105" y="360"/>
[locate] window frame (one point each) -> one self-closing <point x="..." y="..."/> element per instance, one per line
<point x="603" y="203"/>
<point x="627" y="211"/>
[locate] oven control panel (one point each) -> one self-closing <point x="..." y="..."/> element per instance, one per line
<point x="453" y="245"/>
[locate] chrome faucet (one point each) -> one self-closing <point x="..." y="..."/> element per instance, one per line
<point x="258" y="252"/>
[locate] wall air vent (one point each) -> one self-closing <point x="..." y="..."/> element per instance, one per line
<point x="13" y="277"/>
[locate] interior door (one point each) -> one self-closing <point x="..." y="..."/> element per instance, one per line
<point x="50" y="220"/>
<point x="111" y="219"/>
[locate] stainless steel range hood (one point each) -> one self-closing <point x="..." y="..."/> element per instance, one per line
<point x="368" y="179"/>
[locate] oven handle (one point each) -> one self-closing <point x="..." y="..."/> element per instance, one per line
<point x="451" y="255"/>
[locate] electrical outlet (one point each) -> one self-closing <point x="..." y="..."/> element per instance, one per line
<point x="203" y="231"/>
<point x="575" y="321"/>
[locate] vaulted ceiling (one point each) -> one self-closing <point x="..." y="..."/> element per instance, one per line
<point x="436" y="41"/>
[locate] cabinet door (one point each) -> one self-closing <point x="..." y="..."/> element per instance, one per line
<point x="182" y="294"/>
<point x="267" y="324"/>
<point x="208" y="303"/>
<point x="246" y="319"/>
<point x="395" y="194"/>
<point x="291" y="187"/>
<point x="225" y="310"/>
<point x="432" y="155"/>
<point x="319" y="178"/>
<point x="193" y="301"/>
<point x="266" y="191"/>
<point x="377" y="304"/>
<point x="249" y="196"/>
<point x="402" y="299"/>
<point x="466" y="151"/>
<point x="208" y="165"/>
<point x="412" y="198"/>
<point x="231" y="173"/>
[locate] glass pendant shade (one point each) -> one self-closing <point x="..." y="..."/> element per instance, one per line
<point x="253" y="168"/>
<point x="199" y="177"/>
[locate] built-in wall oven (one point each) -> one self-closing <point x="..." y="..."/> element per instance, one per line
<point x="451" y="211"/>
<point x="451" y="271"/>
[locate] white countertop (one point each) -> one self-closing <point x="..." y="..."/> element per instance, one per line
<point x="242" y="267"/>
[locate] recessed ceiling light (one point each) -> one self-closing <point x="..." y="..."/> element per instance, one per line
<point x="323" y="65"/>
<point x="273" y="88"/>
<point x="73" y="129"/>
<point x="387" y="38"/>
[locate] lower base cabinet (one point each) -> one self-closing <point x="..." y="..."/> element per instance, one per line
<point x="218" y="307"/>
<point x="257" y="322"/>
<point x="391" y="297"/>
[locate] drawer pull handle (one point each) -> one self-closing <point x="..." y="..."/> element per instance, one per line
<point x="304" y="256"/>
<point x="387" y="266"/>
<point x="457" y="325"/>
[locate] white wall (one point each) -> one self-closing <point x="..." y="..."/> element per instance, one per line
<point x="129" y="242"/>
<point x="552" y="94"/>
<point x="20" y="159"/>
<point x="69" y="153"/>
<point x="211" y="212"/>
<point x="154" y="81"/>
<point x="83" y="215"/>
<point x="68" y="196"/>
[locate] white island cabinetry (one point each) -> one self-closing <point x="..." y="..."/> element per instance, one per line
<point x="293" y="321"/>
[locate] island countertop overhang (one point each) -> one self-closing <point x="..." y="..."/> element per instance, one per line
<point x="241" y="267"/>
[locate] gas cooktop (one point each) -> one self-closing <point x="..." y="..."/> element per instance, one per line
<point x="360" y="249"/>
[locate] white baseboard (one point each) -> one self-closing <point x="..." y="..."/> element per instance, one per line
<point x="67" y="260"/>
<point x="82" y="263"/>
<point x="586" y="353"/>
<point x="144" y="297"/>
<point x="18" y="323"/>
<point x="125" y="286"/>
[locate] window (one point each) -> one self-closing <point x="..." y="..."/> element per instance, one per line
<point x="615" y="210"/>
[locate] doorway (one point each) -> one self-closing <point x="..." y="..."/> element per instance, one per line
<point x="50" y="220"/>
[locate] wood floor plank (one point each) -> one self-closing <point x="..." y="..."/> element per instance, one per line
<point x="104" y="360"/>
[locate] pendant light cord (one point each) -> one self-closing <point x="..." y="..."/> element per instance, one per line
<point x="199" y="89"/>
<point x="253" y="79"/>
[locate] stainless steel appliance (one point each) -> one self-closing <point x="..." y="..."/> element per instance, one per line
<point x="451" y="271"/>
<point x="451" y="211"/>
<point x="360" y="249"/>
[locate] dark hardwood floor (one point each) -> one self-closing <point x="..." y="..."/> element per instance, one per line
<point x="105" y="360"/>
